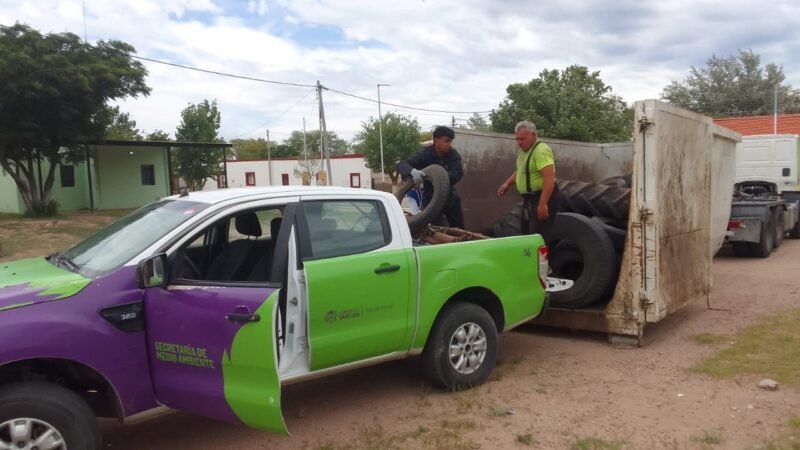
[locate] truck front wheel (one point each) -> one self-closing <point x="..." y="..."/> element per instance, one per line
<point x="36" y="415"/>
<point x="462" y="347"/>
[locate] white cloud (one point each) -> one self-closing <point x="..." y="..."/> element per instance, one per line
<point x="443" y="54"/>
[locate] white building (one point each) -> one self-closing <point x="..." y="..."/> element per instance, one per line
<point x="347" y="171"/>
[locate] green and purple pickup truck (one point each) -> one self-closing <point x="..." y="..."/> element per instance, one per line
<point x="210" y="302"/>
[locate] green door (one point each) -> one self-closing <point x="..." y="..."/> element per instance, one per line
<point x="359" y="283"/>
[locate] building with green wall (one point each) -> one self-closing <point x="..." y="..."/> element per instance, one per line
<point x="123" y="174"/>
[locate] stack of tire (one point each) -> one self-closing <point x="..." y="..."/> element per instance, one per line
<point x="587" y="240"/>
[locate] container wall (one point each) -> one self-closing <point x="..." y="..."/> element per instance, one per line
<point x="489" y="159"/>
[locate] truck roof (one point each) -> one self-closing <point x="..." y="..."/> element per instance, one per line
<point x="222" y="195"/>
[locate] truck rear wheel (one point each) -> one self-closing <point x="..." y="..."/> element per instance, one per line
<point x="763" y="248"/>
<point x="45" y="416"/>
<point x="780" y="230"/>
<point x="462" y="348"/>
<point x="741" y="249"/>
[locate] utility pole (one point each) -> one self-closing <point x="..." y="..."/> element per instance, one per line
<point x="380" y="130"/>
<point x="269" y="161"/>
<point x="323" y="133"/>
<point x="305" y="151"/>
<point x="775" y="112"/>
<point x="453" y="121"/>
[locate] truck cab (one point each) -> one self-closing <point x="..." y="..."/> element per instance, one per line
<point x="211" y="302"/>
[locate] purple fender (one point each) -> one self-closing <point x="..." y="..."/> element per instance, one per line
<point x="72" y="329"/>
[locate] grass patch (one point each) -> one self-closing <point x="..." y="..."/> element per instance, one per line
<point x="8" y="216"/>
<point x="709" y="437"/>
<point x="709" y="339"/>
<point x="592" y="443"/>
<point x="525" y="439"/>
<point x="496" y="411"/>
<point x="458" y="424"/>
<point x="770" y="348"/>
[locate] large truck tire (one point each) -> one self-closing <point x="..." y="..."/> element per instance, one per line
<point x="595" y="199"/>
<point x="763" y="248"/>
<point x="794" y="233"/>
<point x="510" y="224"/>
<point x="436" y="178"/>
<point x="615" y="233"/>
<point x="621" y="181"/>
<point x="45" y="416"/>
<point x="780" y="230"/>
<point x="599" y="265"/>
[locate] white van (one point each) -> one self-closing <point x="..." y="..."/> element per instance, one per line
<point x="770" y="157"/>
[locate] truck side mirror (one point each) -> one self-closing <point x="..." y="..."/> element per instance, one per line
<point x="152" y="271"/>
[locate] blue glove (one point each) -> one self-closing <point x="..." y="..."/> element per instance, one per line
<point x="417" y="176"/>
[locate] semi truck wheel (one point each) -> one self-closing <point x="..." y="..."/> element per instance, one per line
<point x="45" y="416"/>
<point x="780" y="230"/>
<point x="763" y="248"/>
<point x="794" y="233"/>
<point x="462" y="348"/>
<point x="436" y="178"/>
<point x="741" y="249"/>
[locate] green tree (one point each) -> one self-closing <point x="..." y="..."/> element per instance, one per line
<point x="246" y="149"/>
<point x="572" y="104"/>
<point x="53" y="94"/>
<point x="199" y="123"/>
<point x="157" y="135"/>
<point x="401" y="138"/>
<point x="478" y="123"/>
<point x="294" y="143"/>
<point x="121" y="126"/>
<point x="734" y="86"/>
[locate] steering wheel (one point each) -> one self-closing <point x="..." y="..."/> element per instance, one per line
<point x="194" y="271"/>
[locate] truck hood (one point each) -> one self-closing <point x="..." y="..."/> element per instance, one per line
<point x="35" y="280"/>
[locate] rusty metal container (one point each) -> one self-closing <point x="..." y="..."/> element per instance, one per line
<point x="682" y="167"/>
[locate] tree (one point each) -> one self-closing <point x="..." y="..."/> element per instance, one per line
<point x="573" y="104"/>
<point x="294" y="143"/>
<point x="199" y="123"/>
<point x="734" y="86"/>
<point x="157" y="135"/>
<point x="53" y="94"/>
<point x="246" y="149"/>
<point x="121" y="126"/>
<point x="478" y="123"/>
<point x="401" y="138"/>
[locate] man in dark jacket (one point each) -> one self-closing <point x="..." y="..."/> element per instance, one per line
<point x="441" y="152"/>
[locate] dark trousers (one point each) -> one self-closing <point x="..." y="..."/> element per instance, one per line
<point x="530" y="223"/>
<point x="452" y="212"/>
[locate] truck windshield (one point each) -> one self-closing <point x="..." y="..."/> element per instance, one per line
<point x="119" y="242"/>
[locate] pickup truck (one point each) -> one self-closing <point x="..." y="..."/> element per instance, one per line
<point x="210" y="302"/>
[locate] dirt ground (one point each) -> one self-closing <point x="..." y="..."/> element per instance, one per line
<point x="552" y="389"/>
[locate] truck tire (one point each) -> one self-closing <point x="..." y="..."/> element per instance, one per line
<point x="621" y="181"/>
<point x="741" y="249"/>
<point x="617" y="235"/>
<point x="595" y="199"/>
<point x="763" y="248"/>
<point x="55" y="415"/>
<point x="794" y="233"/>
<point x="598" y="275"/>
<point x="462" y="348"/>
<point x="510" y="224"/>
<point x="436" y="178"/>
<point x="780" y="230"/>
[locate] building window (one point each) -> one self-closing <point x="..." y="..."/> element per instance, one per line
<point x="67" y="176"/>
<point x="148" y="175"/>
<point x="355" y="180"/>
<point x="285" y="179"/>
<point x="250" y="178"/>
<point x="221" y="182"/>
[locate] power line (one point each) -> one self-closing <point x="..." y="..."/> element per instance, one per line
<point x="413" y="108"/>
<point x="222" y="74"/>
<point x="276" y="117"/>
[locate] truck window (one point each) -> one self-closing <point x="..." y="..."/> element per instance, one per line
<point x="237" y="248"/>
<point x="345" y="227"/>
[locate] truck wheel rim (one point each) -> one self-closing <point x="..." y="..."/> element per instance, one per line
<point x="467" y="348"/>
<point x="30" y="434"/>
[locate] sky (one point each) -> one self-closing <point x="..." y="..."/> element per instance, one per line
<point x="449" y="55"/>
